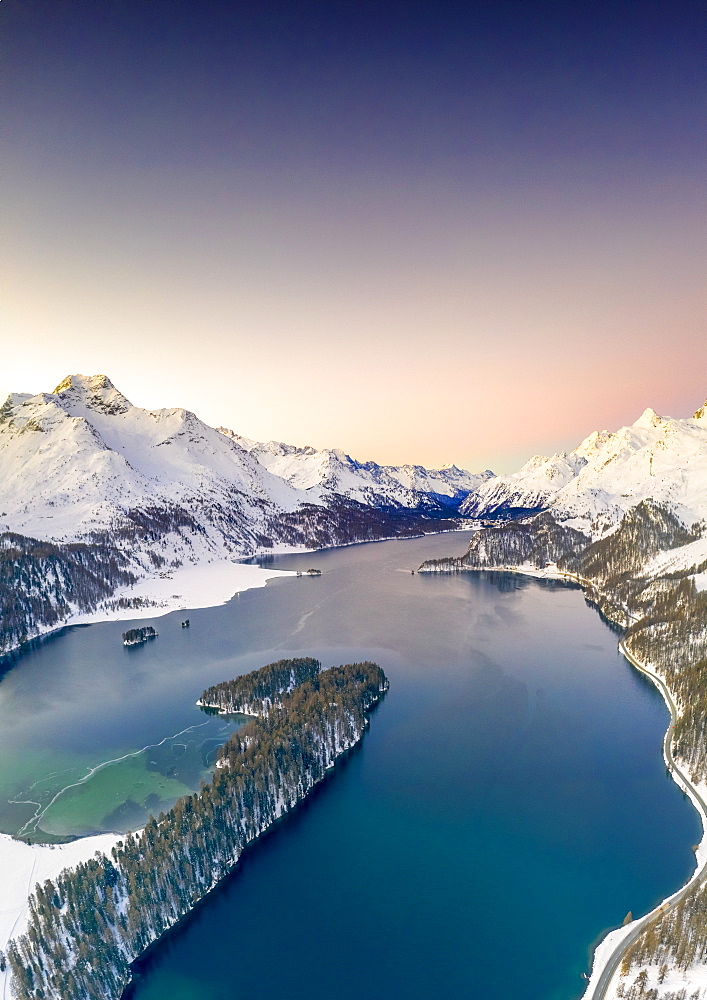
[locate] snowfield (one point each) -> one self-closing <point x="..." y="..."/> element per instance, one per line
<point x="21" y="867"/>
<point x="188" y="587"/>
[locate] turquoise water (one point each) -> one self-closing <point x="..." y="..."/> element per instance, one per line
<point x="508" y="804"/>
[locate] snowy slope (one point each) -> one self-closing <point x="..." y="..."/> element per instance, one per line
<point x="22" y="867"/>
<point x="331" y="471"/>
<point x="83" y="459"/>
<point x="76" y="460"/>
<point x="532" y="486"/>
<point x="608" y="473"/>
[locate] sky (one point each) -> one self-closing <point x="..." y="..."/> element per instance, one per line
<point x="421" y="232"/>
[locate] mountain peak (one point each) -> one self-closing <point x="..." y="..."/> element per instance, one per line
<point x="701" y="414"/>
<point x="649" y="418"/>
<point x="83" y="382"/>
<point x="96" y="392"/>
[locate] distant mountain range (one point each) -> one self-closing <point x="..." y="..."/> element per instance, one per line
<point x="320" y="475"/>
<point x="103" y="483"/>
<point x="83" y="459"/>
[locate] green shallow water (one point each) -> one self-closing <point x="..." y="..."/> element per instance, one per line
<point x="508" y="804"/>
<point x="77" y="793"/>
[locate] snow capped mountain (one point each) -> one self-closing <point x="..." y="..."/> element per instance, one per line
<point x="532" y="486"/>
<point x="83" y="460"/>
<point x="80" y="459"/>
<point x="331" y="471"/>
<point x="146" y="491"/>
<point x="655" y="458"/>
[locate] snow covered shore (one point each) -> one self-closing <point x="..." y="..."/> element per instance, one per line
<point x="203" y="585"/>
<point x="695" y="978"/>
<point x="21" y="867"/>
<point x="192" y="586"/>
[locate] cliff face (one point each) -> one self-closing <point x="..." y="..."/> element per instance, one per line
<point x="85" y="930"/>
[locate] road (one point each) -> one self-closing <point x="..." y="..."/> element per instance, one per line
<point x="614" y="960"/>
<point x="617" y="954"/>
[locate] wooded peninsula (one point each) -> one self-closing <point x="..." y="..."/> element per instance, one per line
<point x="256" y="693"/>
<point x="86" y="928"/>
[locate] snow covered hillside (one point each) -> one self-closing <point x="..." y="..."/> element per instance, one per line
<point x="83" y="460"/>
<point x="80" y="459"/>
<point x="656" y="458"/>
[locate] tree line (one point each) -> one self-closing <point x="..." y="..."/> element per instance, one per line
<point x="42" y="583"/>
<point x="256" y="693"/>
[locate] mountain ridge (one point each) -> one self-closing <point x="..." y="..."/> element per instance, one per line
<point x="319" y="470"/>
<point x="153" y="490"/>
<point x="608" y="473"/>
<point x="99" y="454"/>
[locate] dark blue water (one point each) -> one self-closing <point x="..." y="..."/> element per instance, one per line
<point x="508" y="804"/>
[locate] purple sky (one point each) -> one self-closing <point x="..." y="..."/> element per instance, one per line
<point x="420" y="232"/>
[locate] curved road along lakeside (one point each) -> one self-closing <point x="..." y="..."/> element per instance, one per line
<point x="598" y="990"/>
<point x="700" y="873"/>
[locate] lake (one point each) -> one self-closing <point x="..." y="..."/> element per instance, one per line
<point x="508" y="804"/>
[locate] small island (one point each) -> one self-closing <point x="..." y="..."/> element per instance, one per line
<point x="134" y="636"/>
